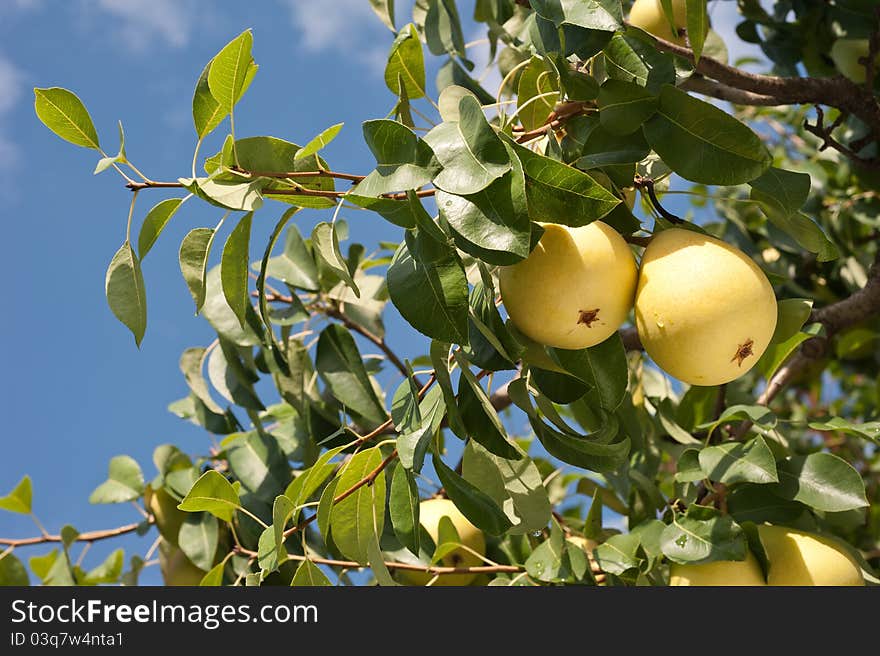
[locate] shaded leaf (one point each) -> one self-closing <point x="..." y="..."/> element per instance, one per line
<point x="125" y="291"/>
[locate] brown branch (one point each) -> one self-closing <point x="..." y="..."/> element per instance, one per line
<point x="837" y="91"/>
<point x="824" y="132"/>
<point x="707" y="87"/>
<point x="298" y="191"/>
<point x="293" y="175"/>
<point x="91" y="536"/>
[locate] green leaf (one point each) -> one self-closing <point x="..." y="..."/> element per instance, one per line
<point x="545" y="562"/>
<point x="781" y="194"/>
<point x="106" y="162"/>
<point x="234" y="267"/>
<point x="471" y="153"/>
<point x="791" y="314"/>
<point x="603" y="367"/>
<point x="405" y="411"/>
<point x="406" y="65"/>
<point x="214" y="576"/>
<point x="869" y="430"/>
<point x="295" y="311"/>
<point x="451" y="73"/>
<point x="618" y="554"/>
<point x="228" y="194"/>
<point x="325" y="240"/>
<point x="536" y="80"/>
<point x="295" y="266"/>
<point x="432" y="295"/>
<point x="191" y="362"/>
<point x="325" y="507"/>
<point x="319" y="142"/>
<point x="62" y="112"/>
<point x="515" y="485"/>
<point x="777" y="353"/>
<point x="624" y="106"/>
<point x="474" y="504"/>
<point x="193" y="257"/>
<point x="12" y="571"/>
<point x="340" y="365"/>
<point x="442" y="29"/>
<point x="495" y="219"/>
<point x="757" y="414"/>
<point x="629" y="57"/>
<point x="304" y="486"/>
<point x="757" y="503"/>
<point x="125" y="482"/>
<point x="108" y="571"/>
<point x="702" y="143"/>
<point x="603" y="15"/>
<point x="479" y="417"/>
<point x="384" y="9"/>
<point x="229" y="70"/>
<point x="223" y="319"/>
<point x="270" y="555"/>
<point x="413" y="445"/>
<point x="688" y="469"/>
<point x="19" y="500"/>
<point x="309" y="575"/>
<point x="214" y="494"/>
<point x="697" y="26"/>
<point x="558" y="193"/>
<point x="198" y="539"/>
<point x="126" y="294"/>
<point x="439" y="353"/>
<point x="736" y="462"/>
<point x="360" y="517"/>
<point x="207" y="112"/>
<point x="154" y="223"/>
<point x="259" y="464"/>
<point x="703" y="535"/>
<point x="403" y="161"/>
<point x="403" y="507"/>
<point x="822" y="481"/>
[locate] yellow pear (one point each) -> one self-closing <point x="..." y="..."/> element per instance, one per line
<point x="704" y="311"/>
<point x="720" y="573"/>
<point x="430" y="513"/>
<point x="648" y="15"/>
<point x="574" y="289"/>
<point x="798" y="558"/>
<point x="846" y="54"/>
<point x="176" y="568"/>
<point x="165" y="513"/>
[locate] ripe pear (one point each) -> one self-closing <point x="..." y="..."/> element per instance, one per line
<point x="704" y="311"/>
<point x="649" y="16"/>
<point x="799" y="558"/>
<point x="574" y="289"/>
<point x="430" y="512"/>
<point x="720" y="573"/>
<point x="845" y="53"/>
<point x="164" y="509"/>
<point x="176" y="568"/>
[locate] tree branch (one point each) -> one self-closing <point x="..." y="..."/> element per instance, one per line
<point x="91" y="536"/>
<point x="707" y="87"/>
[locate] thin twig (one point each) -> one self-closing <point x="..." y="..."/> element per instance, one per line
<point x="91" y="536"/>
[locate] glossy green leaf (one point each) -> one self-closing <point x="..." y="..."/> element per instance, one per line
<point x="360" y="517"/>
<point x="318" y="142"/>
<point x="214" y="576"/>
<point x="20" y="498"/>
<point x="213" y="493"/>
<point x="624" y="106"/>
<point x="12" y="571"/>
<point x="193" y="257"/>
<point x="604" y="15"/>
<point x="207" y="112"/>
<point x="533" y="104"/>
<point x="442" y="28"/>
<point x="413" y="445"/>
<point x="629" y="57"/>
<point x="474" y="504"/>
<point x="545" y="562"/>
<point x="558" y="193"/>
<point x="340" y="365"/>
<point x="191" y="364"/>
<point x="697" y="21"/>
<point x="228" y="194"/>
<point x="403" y="161"/>
<point x="125" y="482"/>
<point x="791" y="315"/>
<point x="325" y="240"/>
<point x="758" y="414"/>
<point x="471" y="153"/>
<point x="619" y="553"/>
<point x="154" y="223"/>
<point x="403" y="508"/>
<point x="234" y="267"/>
<point x="309" y="575"/>
<point x="703" y="535"/>
<point x="737" y="462"/>
<point x="108" y="571"/>
<point x="406" y="65"/>
<point x="228" y="71"/>
<point x="603" y="367"/>
<point x="869" y="430"/>
<point x="63" y="112"/>
<point x="702" y="143"/>
<point x="259" y="465"/>
<point x="198" y="539"/>
<point x="431" y="295"/>
<point x="822" y="481"/>
<point x="126" y="294"/>
<point x="295" y="266"/>
<point x="777" y="353"/>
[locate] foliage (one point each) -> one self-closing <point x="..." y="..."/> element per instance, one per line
<point x="326" y="475"/>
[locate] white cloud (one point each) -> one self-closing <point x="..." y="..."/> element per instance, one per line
<point x="348" y="26"/>
<point x="144" y="22"/>
<point x="11" y="83"/>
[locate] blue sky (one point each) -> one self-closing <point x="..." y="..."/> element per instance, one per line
<point x="76" y="391"/>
